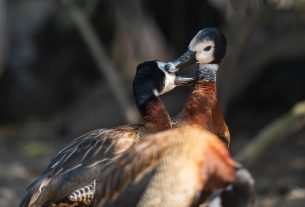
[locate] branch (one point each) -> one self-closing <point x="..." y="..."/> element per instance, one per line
<point x="239" y="42"/>
<point x="97" y="50"/>
<point x="281" y="128"/>
<point x="3" y="36"/>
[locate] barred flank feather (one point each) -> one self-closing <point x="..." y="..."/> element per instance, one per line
<point x="85" y="194"/>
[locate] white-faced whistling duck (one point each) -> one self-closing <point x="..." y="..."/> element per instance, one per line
<point x="208" y="48"/>
<point x="162" y="170"/>
<point x="84" y="158"/>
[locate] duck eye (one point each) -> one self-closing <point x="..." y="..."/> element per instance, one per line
<point x="207" y="48"/>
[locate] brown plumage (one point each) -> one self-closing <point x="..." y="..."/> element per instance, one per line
<point x="202" y="109"/>
<point x="198" y="109"/>
<point x="170" y="168"/>
<point x="84" y="159"/>
<point x="219" y="126"/>
<point x="166" y="173"/>
<point x="140" y="171"/>
<point x="156" y="116"/>
<point x="209" y="46"/>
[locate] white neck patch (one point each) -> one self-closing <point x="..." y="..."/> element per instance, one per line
<point x="169" y="81"/>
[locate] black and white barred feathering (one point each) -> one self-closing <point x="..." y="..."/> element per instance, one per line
<point x="85" y="194"/>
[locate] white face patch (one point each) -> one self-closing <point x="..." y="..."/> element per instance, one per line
<point x="169" y="81"/>
<point x="195" y="46"/>
<point x="203" y="56"/>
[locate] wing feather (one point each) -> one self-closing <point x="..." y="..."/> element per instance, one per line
<point x="82" y="160"/>
<point x="131" y="166"/>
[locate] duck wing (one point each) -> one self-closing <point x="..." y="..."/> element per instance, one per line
<point x="81" y="161"/>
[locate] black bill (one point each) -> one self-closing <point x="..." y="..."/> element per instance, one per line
<point x="187" y="58"/>
<point x="184" y="81"/>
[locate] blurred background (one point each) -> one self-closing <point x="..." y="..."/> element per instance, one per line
<point x="66" y="67"/>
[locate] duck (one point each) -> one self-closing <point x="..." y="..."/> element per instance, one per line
<point x="84" y="158"/>
<point x="208" y="48"/>
<point x="164" y="173"/>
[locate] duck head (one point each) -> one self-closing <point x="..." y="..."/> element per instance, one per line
<point x="151" y="79"/>
<point x="207" y="47"/>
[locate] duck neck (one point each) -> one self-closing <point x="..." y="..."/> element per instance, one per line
<point x="208" y="71"/>
<point x="198" y="109"/>
<point x="155" y="115"/>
